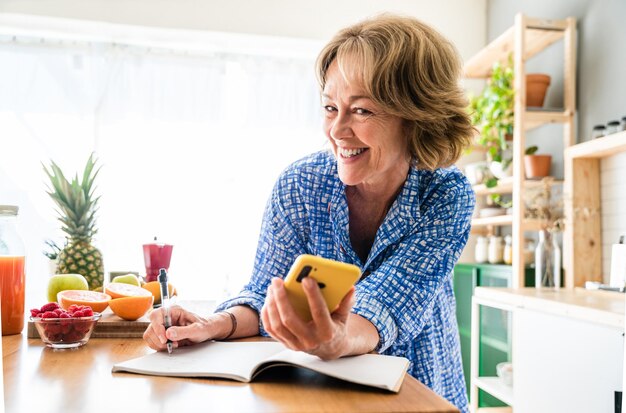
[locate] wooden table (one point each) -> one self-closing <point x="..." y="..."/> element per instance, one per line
<point x="38" y="379"/>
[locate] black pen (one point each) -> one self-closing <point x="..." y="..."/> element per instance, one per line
<point x="165" y="302"/>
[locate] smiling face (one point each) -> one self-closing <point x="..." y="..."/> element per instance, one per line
<point x="369" y="144"/>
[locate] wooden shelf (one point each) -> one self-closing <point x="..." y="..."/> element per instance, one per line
<point x="495" y="387"/>
<point x="535" y="118"/>
<point x="496" y="221"/>
<point x="539" y="35"/>
<point x="504" y="220"/>
<point x="598" y="148"/>
<point x="505" y="186"/>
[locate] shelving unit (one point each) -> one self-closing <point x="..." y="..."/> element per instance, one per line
<point x="582" y="240"/>
<point x="526" y="38"/>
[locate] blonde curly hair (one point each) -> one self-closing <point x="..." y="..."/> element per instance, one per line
<point x="412" y="72"/>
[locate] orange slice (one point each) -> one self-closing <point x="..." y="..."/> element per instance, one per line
<point x="131" y="308"/>
<point x="97" y="301"/>
<point x="121" y="290"/>
<point x="155" y="288"/>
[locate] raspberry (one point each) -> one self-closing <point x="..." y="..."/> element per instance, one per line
<point x="72" y="308"/>
<point x="35" y="312"/>
<point x="53" y="329"/>
<point x="65" y="314"/>
<point x="48" y="314"/>
<point x="88" y="312"/>
<point x="49" y="307"/>
<point x="79" y="313"/>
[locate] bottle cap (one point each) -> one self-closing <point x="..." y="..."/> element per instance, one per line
<point x="599" y="127"/>
<point x="9" y="209"/>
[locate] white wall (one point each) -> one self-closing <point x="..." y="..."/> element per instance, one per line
<point x="462" y="21"/>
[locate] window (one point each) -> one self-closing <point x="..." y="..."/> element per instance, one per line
<point x="190" y="143"/>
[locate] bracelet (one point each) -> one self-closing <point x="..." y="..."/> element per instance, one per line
<point x="233" y="320"/>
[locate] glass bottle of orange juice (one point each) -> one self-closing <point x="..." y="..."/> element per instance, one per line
<point x="12" y="276"/>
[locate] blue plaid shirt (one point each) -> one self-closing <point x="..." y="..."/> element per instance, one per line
<point x="406" y="291"/>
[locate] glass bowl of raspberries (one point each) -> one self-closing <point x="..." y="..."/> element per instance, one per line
<point x="60" y="328"/>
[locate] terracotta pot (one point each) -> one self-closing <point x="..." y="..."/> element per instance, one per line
<point x="537" y="166"/>
<point x="536" y="87"/>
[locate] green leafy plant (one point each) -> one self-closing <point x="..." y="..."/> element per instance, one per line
<point x="492" y="111"/>
<point x="499" y="200"/>
<point x="531" y="150"/>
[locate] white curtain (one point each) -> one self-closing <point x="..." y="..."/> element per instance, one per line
<point x="189" y="145"/>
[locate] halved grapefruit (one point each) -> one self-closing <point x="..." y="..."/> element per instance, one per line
<point x="97" y="301"/>
<point x="131" y="308"/>
<point x="122" y="290"/>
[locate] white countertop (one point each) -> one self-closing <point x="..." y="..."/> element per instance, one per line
<point x="600" y="307"/>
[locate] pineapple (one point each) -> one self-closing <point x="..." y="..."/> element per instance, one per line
<point x="77" y="207"/>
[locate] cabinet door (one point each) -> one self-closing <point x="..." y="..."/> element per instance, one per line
<point x="495" y="334"/>
<point x="565" y="365"/>
<point x="465" y="276"/>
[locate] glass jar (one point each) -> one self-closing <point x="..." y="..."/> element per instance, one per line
<point x="508" y="250"/>
<point x="598" y="131"/>
<point x="612" y="127"/>
<point x="480" y="251"/>
<point x="495" y="250"/>
<point x="12" y="276"/>
<point x="547" y="261"/>
<point x="624" y="123"/>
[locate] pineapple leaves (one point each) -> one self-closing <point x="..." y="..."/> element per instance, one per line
<point x="75" y="201"/>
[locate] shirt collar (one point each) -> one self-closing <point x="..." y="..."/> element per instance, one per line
<point x="400" y="219"/>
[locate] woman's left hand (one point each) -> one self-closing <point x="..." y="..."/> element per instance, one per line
<point x="325" y="336"/>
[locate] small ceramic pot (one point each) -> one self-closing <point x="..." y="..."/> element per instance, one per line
<point x="537" y="166"/>
<point x="536" y="87"/>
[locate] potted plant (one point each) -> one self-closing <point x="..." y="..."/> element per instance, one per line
<point x="492" y="114"/>
<point x="536" y="166"/>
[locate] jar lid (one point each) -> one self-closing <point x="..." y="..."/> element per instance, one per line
<point x="599" y="127"/>
<point x="9" y="209"/>
<point x="613" y="123"/>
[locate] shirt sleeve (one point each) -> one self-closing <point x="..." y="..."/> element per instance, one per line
<point x="282" y="239"/>
<point x="398" y="297"/>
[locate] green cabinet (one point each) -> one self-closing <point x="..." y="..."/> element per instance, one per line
<point x="495" y="341"/>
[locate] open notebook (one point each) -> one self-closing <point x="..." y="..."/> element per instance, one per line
<point x="242" y="361"/>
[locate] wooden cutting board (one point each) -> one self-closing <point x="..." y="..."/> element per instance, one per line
<point x="112" y="326"/>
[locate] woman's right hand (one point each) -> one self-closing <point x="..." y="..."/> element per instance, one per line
<point x="187" y="328"/>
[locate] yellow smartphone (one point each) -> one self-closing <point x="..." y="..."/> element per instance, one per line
<point x="333" y="277"/>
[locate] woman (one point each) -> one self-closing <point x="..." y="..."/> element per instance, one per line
<point x="384" y="199"/>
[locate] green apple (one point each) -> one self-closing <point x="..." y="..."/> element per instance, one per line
<point x="127" y="279"/>
<point x="62" y="282"/>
